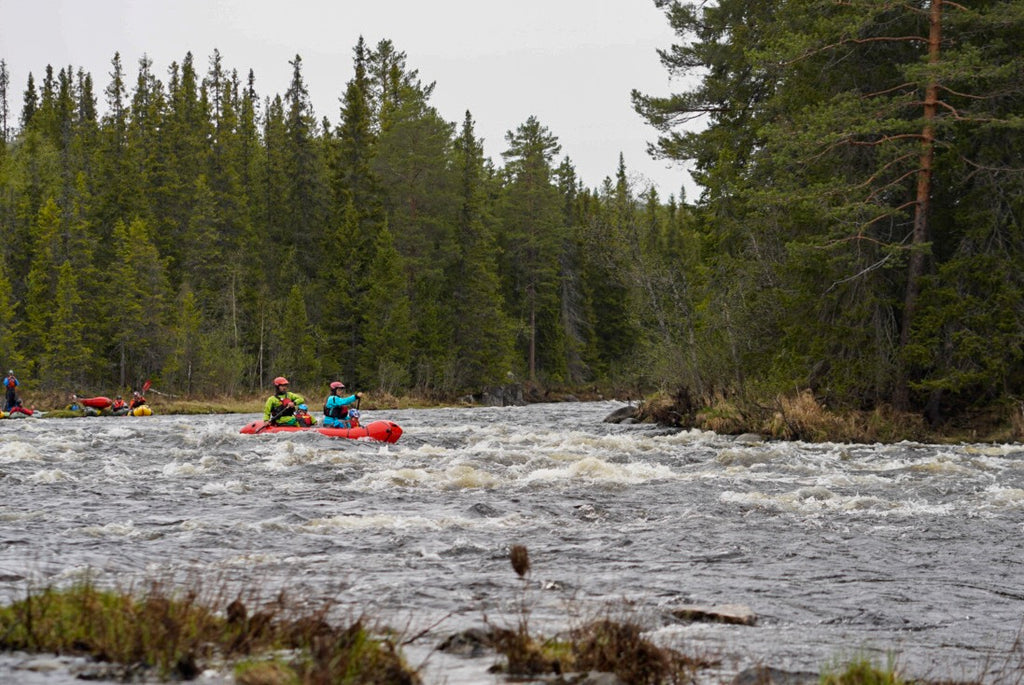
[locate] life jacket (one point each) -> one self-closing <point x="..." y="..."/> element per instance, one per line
<point x="286" y="405"/>
<point x="303" y="416"/>
<point x="338" y="411"/>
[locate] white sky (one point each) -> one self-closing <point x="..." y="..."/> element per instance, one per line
<point x="571" y="63"/>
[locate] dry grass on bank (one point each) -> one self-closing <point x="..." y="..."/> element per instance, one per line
<point x="802" y="416"/>
<point x="165" y="403"/>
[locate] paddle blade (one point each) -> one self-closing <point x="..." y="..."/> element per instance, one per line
<point x="145" y="386"/>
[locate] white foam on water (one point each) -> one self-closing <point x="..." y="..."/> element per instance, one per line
<point x="998" y="497"/>
<point x="234" y="487"/>
<point x="406" y="478"/>
<point x="11" y="452"/>
<point x="197" y="524"/>
<point x="119" y="431"/>
<point x="818" y="500"/>
<point x="119" y="529"/>
<point x="51" y="476"/>
<point x="945" y="464"/>
<point x="17" y="515"/>
<point x="465" y="477"/>
<point x="177" y="469"/>
<point x="115" y="468"/>
<point x="287" y="453"/>
<point x="599" y="470"/>
<point x="250" y="560"/>
<point x="745" y="457"/>
<point x="452" y="476"/>
<point x="333" y="524"/>
<point x="1001" y="450"/>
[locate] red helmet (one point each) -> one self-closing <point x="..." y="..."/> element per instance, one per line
<point x="280" y="380"/>
<point x="337" y="384"/>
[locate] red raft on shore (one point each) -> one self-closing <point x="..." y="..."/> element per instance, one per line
<point x="384" y="431"/>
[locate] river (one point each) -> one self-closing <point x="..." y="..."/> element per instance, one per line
<point x="909" y="550"/>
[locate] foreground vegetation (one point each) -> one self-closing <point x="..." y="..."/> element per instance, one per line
<point x="175" y="636"/>
<point x="172" y="634"/>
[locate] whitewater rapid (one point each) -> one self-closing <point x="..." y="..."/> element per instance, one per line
<point x="841" y="550"/>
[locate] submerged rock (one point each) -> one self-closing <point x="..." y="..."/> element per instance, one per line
<point x="469" y="643"/>
<point x="749" y="438"/>
<point x="737" y="614"/>
<point x="766" y="675"/>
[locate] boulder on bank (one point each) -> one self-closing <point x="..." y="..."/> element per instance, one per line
<point x="497" y="396"/>
<point x="623" y="415"/>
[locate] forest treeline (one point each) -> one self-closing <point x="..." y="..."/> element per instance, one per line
<point x="194" y="233"/>
<point x="859" y="233"/>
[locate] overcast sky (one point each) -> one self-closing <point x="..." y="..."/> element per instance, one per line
<point x="571" y="63"/>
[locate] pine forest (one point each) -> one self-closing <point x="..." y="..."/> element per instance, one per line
<point x="859" y="234"/>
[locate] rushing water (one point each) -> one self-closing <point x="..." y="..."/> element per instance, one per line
<point x="841" y="550"/>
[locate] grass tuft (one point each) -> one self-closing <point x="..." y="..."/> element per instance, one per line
<point x="176" y="635"/>
<point x="602" y="645"/>
<point x="861" y="671"/>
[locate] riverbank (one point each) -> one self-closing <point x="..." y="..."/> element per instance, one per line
<point x="800" y="416"/>
<point x="804" y="417"/>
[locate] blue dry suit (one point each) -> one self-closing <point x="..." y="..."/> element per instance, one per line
<point x="11" y="395"/>
<point x="336" y="411"/>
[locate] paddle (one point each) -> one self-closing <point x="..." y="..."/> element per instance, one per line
<point x="274" y="416"/>
<point x="355" y="419"/>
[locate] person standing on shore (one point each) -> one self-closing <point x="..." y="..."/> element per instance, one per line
<point x="11" y="386"/>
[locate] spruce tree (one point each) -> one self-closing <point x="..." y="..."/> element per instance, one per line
<point x="305" y="191"/>
<point x="5" y="112"/>
<point x="295" y="355"/>
<point x="66" y="358"/>
<point x="30" y="102"/>
<point x="357" y="202"/>
<point x="482" y="350"/>
<point x="115" y="179"/>
<point x="532" y="242"/>
<point x="386" y="327"/>
<point x="140" y="312"/>
<point x="183" y="361"/>
<point x="418" y="182"/>
<point x="41" y="279"/>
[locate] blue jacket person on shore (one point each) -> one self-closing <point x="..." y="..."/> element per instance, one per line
<point x="11" y="385"/>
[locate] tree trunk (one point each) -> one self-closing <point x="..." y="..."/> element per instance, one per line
<point x="533" y="335"/>
<point x="920" y="237"/>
